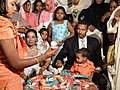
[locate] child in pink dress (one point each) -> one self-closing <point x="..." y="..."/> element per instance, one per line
<point x="46" y="14"/>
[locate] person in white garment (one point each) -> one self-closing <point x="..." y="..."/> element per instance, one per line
<point x="115" y="29"/>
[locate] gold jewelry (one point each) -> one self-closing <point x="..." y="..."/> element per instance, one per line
<point x="37" y="61"/>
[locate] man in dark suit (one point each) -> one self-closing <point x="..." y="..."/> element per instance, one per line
<point x="73" y="44"/>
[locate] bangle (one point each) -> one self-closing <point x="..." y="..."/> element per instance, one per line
<point x="37" y="60"/>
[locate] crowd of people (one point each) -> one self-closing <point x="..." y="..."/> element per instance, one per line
<point x="86" y="33"/>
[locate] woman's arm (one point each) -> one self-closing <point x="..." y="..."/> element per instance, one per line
<point x="13" y="58"/>
<point x="50" y="32"/>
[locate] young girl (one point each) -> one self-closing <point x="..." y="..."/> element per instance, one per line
<point x="43" y="44"/>
<point x="27" y="14"/>
<point x="59" y="28"/>
<point x="38" y="7"/>
<point x="82" y="65"/>
<point x="46" y="14"/>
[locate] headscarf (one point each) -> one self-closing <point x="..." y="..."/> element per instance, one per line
<point x="22" y="12"/>
<point x="52" y="4"/>
<point x="111" y="29"/>
<point x="45" y="15"/>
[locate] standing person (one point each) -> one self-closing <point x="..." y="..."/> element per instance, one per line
<point x="38" y="7"/>
<point x="96" y="11"/>
<point x="112" y="6"/>
<point x="27" y="14"/>
<point x="13" y="59"/>
<point x="77" y="42"/>
<point x="47" y="14"/>
<point x="59" y="28"/>
<point x="113" y="26"/>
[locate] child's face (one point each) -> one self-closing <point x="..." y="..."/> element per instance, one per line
<point x="60" y="14"/>
<point x="58" y="63"/>
<point x="31" y="39"/>
<point x="27" y="7"/>
<point x="113" y="6"/>
<point x="39" y="6"/>
<point x="44" y="35"/>
<point x="47" y="7"/>
<point x="80" y="58"/>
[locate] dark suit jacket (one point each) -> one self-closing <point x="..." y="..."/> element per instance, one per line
<point x="71" y="46"/>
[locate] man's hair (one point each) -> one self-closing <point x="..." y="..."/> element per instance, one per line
<point x="83" y="22"/>
<point x="84" y="52"/>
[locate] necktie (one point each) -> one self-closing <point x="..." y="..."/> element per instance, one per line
<point x="82" y="43"/>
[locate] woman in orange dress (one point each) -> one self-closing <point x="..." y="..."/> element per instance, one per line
<point x="13" y="50"/>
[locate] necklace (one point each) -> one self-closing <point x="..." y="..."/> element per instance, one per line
<point x="32" y="51"/>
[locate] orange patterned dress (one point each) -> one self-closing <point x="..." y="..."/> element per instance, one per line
<point x="9" y="78"/>
<point x="87" y="69"/>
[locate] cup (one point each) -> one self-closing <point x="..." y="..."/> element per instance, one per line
<point x="54" y="45"/>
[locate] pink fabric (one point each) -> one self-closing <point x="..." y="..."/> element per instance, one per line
<point x="52" y="4"/>
<point x="45" y="15"/>
<point x="31" y="19"/>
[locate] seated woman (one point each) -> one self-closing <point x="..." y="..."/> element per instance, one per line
<point x="31" y="39"/>
<point x="27" y="14"/>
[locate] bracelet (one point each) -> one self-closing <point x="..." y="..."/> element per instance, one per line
<point x="37" y="60"/>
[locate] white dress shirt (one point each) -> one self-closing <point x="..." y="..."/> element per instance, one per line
<point x="80" y="42"/>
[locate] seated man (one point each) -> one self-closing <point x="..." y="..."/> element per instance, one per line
<point x="75" y="43"/>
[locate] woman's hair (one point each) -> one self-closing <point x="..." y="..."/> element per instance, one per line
<point x="84" y="52"/>
<point x="18" y="7"/>
<point x="3" y="11"/>
<point x="62" y="8"/>
<point x="31" y="30"/>
<point x="42" y="30"/>
<point x="26" y="2"/>
<point x="35" y="3"/>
